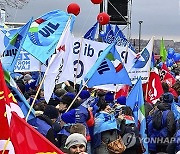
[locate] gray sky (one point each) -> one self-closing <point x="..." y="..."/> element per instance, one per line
<point x="161" y="18"/>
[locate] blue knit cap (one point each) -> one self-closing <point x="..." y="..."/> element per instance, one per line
<point x="109" y="97"/>
<point x="122" y="100"/>
<point x="84" y="94"/>
<point x="69" y="117"/>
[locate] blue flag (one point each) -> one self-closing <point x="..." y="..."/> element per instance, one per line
<point x="121" y="38"/>
<point x="108" y="69"/>
<point x="91" y="32"/>
<point x="14" y="47"/>
<point x="109" y="35"/>
<point x="45" y="33"/>
<point x="135" y="101"/>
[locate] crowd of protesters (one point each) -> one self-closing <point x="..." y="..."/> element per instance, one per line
<point x="96" y="118"/>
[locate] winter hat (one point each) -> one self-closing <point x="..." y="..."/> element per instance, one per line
<point x="109" y="97"/>
<point x="168" y="97"/>
<point x="122" y="100"/>
<point x="69" y="117"/>
<point x="84" y="94"/>
<point x="51" y="112"/>
<point x="27" y="77"/>
<point x="74" y="139"/>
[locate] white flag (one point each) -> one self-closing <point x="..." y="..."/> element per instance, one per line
<point x="58" y="63"/>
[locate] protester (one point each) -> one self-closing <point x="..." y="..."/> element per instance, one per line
<point x="44" y="123"/>
<point x="105" y="128"/>
<point x="76" y="144"/>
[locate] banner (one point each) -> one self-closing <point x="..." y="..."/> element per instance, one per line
<point x="85" y="53"/>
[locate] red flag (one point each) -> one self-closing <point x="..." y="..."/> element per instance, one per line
<point x="16" y="135"/>
<point x="166" y="76"/>
<point x="28" y="140"/>
<point x="122" y="91"/>
<point x="154" y="88"/>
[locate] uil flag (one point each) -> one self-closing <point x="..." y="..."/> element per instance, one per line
<point x="135" y="101"/>
<point x="58" y="63"/>
<point x="120" y="38"/>
<point x="91" y="32"/>
<point x="109" y="36"/>
<point x="15" y="44"/>
<point x="44" y="34"/>
<point x="154" y="88"/>
<point x="108" y="69"/>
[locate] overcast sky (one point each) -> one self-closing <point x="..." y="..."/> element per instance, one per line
<point x="161" y="18"/>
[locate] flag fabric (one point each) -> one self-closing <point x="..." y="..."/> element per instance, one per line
<point x="175" y="108"/>
<point x="108" y="69"/>
<point x="122" y="90"/>
<point x="109" y="35"/>
<point x="153" y="88"/>
<point x="15" y="44"/>
<point x="166" y="76"/>
<point x="59" y="63"/>
<point x="7" y="104"/>
<point x="24" y="105"/>
<point x="121" y="39"/>
<point x="91" y="32"/>
<point x="18" y="135"/>
<point x="163" y="52"/>
<point x="139" y="64"/>
<point x="152" y="61"/>
<point x="44" y="34"/>
<point x="135" y="101"/>
<point x="27" y="140"/>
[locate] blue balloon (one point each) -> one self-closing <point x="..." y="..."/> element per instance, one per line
<point x="176" y="57"/>
<point x="171" y="52"/>
<point x="169" y="62"/>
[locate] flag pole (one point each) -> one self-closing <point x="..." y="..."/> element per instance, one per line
<point x="78" y="63"/>
<point x="39" y="88"/>
<point x="77" y="96"/>
<point x="5" y="146"/>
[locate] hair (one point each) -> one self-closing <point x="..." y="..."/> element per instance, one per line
<point x="78" y="128"/>
<point x="165" y="87"/>
<point x="127" y="110"/>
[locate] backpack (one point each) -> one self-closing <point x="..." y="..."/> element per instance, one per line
<point x="132" y="130"/>
<point x="157" y="120"/>
<point x="177" y="136"/>
<point x="157" y="127"/>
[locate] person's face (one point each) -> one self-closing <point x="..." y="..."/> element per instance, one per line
<point x="77" y="149"/>
<point x="107" y="109"/>
<point x="62" y="107"/>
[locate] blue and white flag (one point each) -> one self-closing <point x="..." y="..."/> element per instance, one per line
<point x="121" y="39"/>
<point x="108" y="69"/>
<point x="45" y="33"/>
<point x="109" y="35"/>
<point x="14" y="47"/>
<point x="91" y="32"/>
<point x="135" y="101"/>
